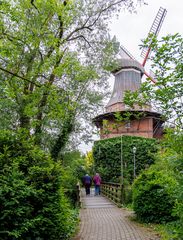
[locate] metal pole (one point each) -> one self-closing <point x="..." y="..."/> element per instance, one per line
<point x="122" y="174"/>
<point x="121" y="160"/>
<point x="134" y="163"/>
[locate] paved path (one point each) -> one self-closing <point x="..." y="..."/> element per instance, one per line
<point x="102" y="220"/>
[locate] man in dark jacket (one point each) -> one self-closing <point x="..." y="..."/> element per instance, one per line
<point x="87" y="181"/>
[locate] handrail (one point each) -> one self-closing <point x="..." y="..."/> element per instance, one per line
<point x="78" y="192"/>
<point x="113" y="191"/>
<point x="111" y="183"/>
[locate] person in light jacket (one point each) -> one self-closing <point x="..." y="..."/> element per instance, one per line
<point x="97" y="182"/>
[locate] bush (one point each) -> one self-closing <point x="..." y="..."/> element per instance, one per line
<point x="178" y="211"/>
<point x="33" y="204"/>
<point x="153" y="197"/>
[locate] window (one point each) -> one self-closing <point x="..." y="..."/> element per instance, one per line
<point x="127" y="125"/>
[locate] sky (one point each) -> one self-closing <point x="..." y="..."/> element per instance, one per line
<point x="131" y="28"/>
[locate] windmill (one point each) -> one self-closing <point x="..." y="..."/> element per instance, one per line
<point x="128" y="75"/>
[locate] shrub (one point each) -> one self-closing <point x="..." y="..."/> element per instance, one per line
<point x="178" y="211"/>
<point x="153" y="197"/>
<point x="33" y="204"/>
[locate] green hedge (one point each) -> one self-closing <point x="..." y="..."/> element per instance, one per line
<point x="153" y="196"/>
<point x="107" y="156"/>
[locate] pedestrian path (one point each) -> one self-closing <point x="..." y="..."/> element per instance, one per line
<point x="102" y="220"/>
<point x="92" y="201"/>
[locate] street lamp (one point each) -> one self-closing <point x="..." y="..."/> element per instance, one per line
<point x="134" y="162"/>
<point x="122" y="174"/>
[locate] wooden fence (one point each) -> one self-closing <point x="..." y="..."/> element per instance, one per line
<point x="78" y="192"/>
<point x="113" y="191"/>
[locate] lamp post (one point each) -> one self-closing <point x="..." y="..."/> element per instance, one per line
<point x="134" y="162"/>
<point x="122" y="198"/>
<point x="121" y="160"/>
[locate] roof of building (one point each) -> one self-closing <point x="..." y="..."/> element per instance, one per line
<point x="125" y="63"/>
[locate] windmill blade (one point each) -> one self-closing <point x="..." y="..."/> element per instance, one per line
<point x="125" y="53"/>
<point x="150" y="77"/>
<point x="155" y="28"/>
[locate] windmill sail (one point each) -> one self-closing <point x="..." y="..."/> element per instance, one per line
<point x="155" y="28"/>
<point x="124" y="53"/>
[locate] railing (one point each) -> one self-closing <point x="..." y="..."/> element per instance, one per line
<point x="78" y="192"/>
<point x="113" y="191"/>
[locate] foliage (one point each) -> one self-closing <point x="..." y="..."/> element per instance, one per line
<point x="89" y="159"/>
<point x="54" y="60"/>
<point x="170" y="161"/>
<point x="72" y="171"/>
<point x="107" y="156"/>
<point x="33" y="204"/>
<point x="153" y="196"/>
<point x="90" y="163"/>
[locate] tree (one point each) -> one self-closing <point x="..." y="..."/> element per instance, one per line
<point x="54" y="62"/>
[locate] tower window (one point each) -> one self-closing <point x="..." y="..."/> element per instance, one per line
<point x="127" y="125"/>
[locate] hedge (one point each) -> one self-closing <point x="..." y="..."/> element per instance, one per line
<point x="107" y="156"/>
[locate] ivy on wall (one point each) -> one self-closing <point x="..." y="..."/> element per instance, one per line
<point x="110" y="153"/>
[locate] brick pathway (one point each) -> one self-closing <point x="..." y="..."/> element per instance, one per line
<point x="102" y="220"/>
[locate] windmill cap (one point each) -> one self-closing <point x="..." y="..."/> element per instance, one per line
<point x="126" y="63"/>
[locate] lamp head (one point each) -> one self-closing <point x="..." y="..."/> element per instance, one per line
<point x="134" y="149"/>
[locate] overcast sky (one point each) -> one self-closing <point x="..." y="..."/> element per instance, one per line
<point x="130" y="29"/>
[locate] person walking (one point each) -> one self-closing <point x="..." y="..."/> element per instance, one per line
<point x="87" y="181"/>
<point x="97" y="182"/>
